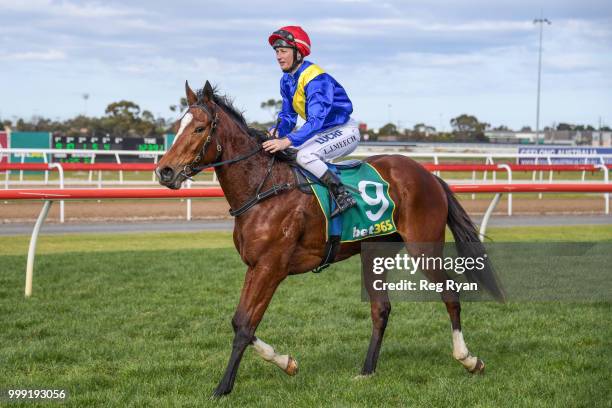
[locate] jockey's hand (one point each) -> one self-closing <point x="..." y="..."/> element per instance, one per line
<point x="276" y="145"/>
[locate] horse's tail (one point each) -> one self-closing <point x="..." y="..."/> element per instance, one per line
<point x="468" y="244"/>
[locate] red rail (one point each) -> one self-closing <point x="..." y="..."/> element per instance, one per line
<point x="531" y="188"/>
<point x="120" y="193"/>
<point x="513" y="167"/>
<point x="460" y="167"/>
<point x="82" y="166"/>
<point x="108" y="193"/>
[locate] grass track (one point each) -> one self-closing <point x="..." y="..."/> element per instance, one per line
<point x="150" y="326"/>
<point x="55" y="243"/>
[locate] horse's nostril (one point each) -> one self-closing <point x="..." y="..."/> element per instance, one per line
<point x="166" y="174"/>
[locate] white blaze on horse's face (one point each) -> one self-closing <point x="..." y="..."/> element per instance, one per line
<point x="184" y="123"/>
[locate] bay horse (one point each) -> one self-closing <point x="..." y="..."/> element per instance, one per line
<point x="286" y="235"/>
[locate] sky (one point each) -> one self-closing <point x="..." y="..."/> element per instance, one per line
<point x="401" y="61"/>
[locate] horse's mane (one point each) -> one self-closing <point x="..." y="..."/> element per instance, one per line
<point x="227" y="104"/>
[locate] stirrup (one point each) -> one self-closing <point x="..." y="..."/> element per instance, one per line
<point x="343" y="203"/>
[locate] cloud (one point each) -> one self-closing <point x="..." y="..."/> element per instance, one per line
<point x="70" y="9"/>
<point x="50" y="55"/>
<point x="392" y="26"/>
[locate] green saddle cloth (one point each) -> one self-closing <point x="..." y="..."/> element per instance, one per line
<point x="373" y="214"/>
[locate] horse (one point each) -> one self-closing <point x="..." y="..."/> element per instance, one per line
<point x="285" y="234"/>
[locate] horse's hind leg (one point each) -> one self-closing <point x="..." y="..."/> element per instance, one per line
<point x="460" y="351"/>
<point x="380" y="311"/>
<point x="451" y="299"/>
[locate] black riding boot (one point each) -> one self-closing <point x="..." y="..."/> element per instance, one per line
<point x="344" y="200"/>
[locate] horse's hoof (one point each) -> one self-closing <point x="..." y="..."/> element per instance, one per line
<point x="292" y="367"/>
<point x="362" y="376"/>
<point x="478" y="368"/>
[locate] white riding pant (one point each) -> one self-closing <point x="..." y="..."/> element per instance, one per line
<point x="328" y="145"/>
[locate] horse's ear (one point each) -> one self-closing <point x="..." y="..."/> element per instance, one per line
<point x="208" y="92"/>
<point x="191" y="96"/>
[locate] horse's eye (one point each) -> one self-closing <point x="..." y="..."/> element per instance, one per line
<point x="199" y="129"/>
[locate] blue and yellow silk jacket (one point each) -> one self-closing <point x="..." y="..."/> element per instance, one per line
<point x="317" y="97"/>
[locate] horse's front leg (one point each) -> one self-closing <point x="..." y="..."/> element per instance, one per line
<point x="283" y="361"/>
<point x="380" y="306"/>
<point x="260" y="284"/>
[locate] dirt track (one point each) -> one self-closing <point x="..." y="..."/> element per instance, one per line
<point x="76" y="211"/>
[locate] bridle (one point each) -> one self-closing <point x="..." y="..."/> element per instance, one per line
<point x="195" y="167"/>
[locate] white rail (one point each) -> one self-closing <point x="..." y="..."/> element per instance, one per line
<point x="362" y="151"/>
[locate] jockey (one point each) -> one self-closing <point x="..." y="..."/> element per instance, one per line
<point x="308" y="91"/>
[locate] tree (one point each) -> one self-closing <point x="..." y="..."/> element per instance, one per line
<point x="526" y="129"/>
<point x="467" y="123"/>
<point x="183" y="104"/>
<point x="274" y="106"/>
<point x="423" y="128"/>
<point x="124" y="118"/>
<point x="468" y="128"/>
<point x="79" y="125"/>
<point x="126" y="109"/>
<point x="372" y="135"/>
<point x="390" y="129"/>
<point x="502" y="128"/>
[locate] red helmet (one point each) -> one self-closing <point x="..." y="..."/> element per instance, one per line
<point x="292" y="37"/>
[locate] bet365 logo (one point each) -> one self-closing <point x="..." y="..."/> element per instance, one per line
<point x="374" y="229"/>
<point x="375" y="213"/>
<point x="379" y="198"/>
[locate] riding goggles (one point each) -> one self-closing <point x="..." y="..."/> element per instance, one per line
<point x="280" y="43"/>
<point x="286" y="35"/>
<point x="286" y="40"/>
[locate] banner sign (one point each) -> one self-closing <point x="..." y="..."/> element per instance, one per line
<point x="577" y="155"/>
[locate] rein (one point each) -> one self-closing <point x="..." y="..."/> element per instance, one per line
<point x="194" y="167"/>
<point x="260" y="196"/>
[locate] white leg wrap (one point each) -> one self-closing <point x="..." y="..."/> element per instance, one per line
<point x="461" y="353"/>
<point x="267" y="353"/>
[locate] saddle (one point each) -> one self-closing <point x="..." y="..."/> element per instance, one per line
<point x="304" y="181"/>
<point x="304" y="178"/>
